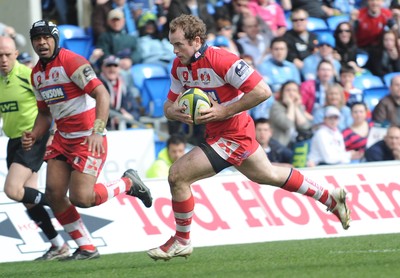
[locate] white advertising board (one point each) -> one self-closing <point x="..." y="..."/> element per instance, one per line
<point x="229" y="209"/>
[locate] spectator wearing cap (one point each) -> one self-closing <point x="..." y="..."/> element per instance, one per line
<point x="325" y="51"/>
<point x="26" y="59"/>
<point x="116" y="41"/>
<point x="197" y="8"/>
<point x="124" y="96"/>
<point x="152" y="46"/>
<point x="327" y="145"/>
<point x="100" y="13"/>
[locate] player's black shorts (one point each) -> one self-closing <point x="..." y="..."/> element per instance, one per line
<point x="32" y="159"/>
<point x="217" y="162"/>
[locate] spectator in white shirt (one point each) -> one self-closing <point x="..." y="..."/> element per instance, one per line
<point x="327" y="145"/>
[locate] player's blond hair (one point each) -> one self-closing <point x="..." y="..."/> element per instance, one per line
<point x="192" y="26"/>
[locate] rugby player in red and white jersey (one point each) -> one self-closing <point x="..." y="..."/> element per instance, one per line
<point x="68" y="91"/>
<point x="233" y="87"/>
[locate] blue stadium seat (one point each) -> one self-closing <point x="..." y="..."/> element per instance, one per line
<point x="315" y="23"/>
<point x="334" y="21"/>
<point x="142" y="71"/>
<point x="82" y="46"/>
<point x="373" y="95"/>
<point x="68" y="31"/>
<point x="154" y="94"/>
<point x="387" y="78"/>
<point x="368" y="81"/>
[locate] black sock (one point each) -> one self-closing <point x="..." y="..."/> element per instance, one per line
<point x="42" y="219"/>
<point x="34" y="196"/>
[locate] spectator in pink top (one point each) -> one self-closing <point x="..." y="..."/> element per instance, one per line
<point x="271" y="13"/>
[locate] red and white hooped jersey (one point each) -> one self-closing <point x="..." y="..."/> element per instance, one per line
<point x="223" y="76"/>
<point x="64" y="86"/>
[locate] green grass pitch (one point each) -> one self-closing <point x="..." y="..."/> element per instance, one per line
<point x="361" y="256"/>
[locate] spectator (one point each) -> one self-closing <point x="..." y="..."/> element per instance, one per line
<point x="195" y="7"/>
<point x="288" y="116"/>
<point x="271" y="13"/>
<point x="314" y="8"/>
<point x="124" y="97"/>
<point x="355" y="136"/>
<point x="352" y="94"/>
<point x="345" y="46"/>
<point x="369" y="23"/>
<point x="26" y="59"/>
<point x="276" y="69"/>
<point x="395" y="8"/>
<point x="386" y="149"/>
<point x="236" y="10"/>
<point x="9" y="31"/>
<point x="300" y="41"/>
<point x="100" y="17"/>
<point x="385" y="58"/>
<point x="152" y="46"/>
<point x="117" y="42"/>
<point x="176" y="145"/>
<point x="325" y="47"/>
<point x="225" y="30"/>
<point x="388" y="108"/>
<point x="276" y="152"/>
<point x="255" y="43"/>
<point x="334" y="97"/>
<point x="313" y="91"/>
<point x="327" y="145"/>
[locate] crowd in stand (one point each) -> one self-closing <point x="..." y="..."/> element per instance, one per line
<point x="311" y="71"/>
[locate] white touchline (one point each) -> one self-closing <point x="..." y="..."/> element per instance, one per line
<point x="365" y="251"/>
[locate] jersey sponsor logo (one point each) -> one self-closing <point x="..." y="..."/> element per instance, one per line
<point x="241" y="68"/>
<point x="88" y="73"/>
<point x="205" y="78"/>
<point x="53" y="95"/>
<point x="9" y="106"/>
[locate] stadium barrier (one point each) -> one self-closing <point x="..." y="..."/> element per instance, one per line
<point x="229" y="209"/>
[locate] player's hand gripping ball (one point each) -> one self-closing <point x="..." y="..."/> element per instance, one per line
<point x="195" y="100"/>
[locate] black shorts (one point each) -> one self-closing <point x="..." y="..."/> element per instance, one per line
<point x="32" y="159"/>
<point x="217" y="162"/>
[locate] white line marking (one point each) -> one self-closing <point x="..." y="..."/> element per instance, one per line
<point x="365" y="251"/>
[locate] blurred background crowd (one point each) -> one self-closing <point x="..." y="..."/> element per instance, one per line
<point x="333" y="67"/>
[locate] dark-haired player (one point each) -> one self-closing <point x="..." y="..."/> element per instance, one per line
<point x="68" y="91"/>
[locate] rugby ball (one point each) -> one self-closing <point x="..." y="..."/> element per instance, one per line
<point x="195" y="100"/>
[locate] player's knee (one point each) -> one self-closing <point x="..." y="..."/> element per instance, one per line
<point x="81" y="202"/>
<point x="13" y="193"/>
<point x="174" y="175"/>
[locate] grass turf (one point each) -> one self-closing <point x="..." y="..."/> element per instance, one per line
<point x="362" y="256"/>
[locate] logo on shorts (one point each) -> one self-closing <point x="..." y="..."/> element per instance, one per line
<point x="92" y="166"/>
